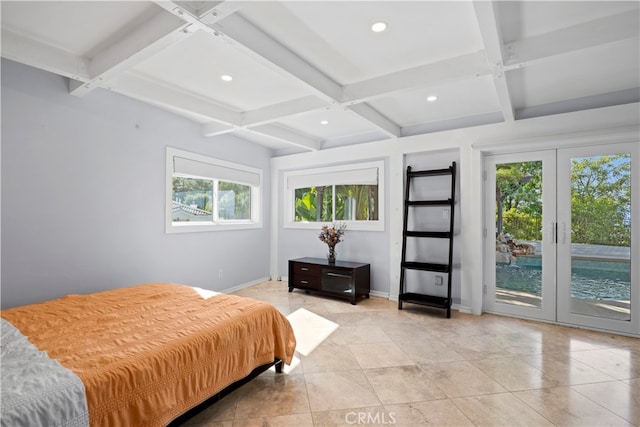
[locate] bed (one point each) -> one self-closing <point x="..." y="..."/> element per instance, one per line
<point x="141" y="355"/>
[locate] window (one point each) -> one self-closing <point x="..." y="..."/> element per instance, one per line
<point x="349" y="193"/>
<point x="205" y="194"/>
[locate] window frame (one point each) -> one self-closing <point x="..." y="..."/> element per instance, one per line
<point x="362" y="225"/>
<point x="215" y="224"/>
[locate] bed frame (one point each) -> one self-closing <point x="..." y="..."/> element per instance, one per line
<point x="224" y="392"/>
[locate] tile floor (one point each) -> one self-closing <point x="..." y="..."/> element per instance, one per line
<point x="414" y="367"/>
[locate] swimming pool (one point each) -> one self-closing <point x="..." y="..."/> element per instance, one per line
<point x="591" y="279"/>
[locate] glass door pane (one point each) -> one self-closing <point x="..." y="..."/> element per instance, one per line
<point x="596" y="244"/>
<point x="519" y="233"/>
<point x="520" y="258"/>
<point x="601" y="236"/>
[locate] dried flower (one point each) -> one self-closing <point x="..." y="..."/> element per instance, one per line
<point x="332" y="235"/>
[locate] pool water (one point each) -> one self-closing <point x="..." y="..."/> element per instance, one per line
<point x="599" y="280"/>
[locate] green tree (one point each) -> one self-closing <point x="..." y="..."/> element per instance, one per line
<point x="519" y="193"/>
<point x="601" y="200"/>
<point x="307" y="206"/>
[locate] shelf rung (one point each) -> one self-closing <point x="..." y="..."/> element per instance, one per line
<point x="435" y="234"/>
<point x="431" y="172"/>
<point x="444" y="202"/>
<point x="430" y="300"/>
<point x="426" y="266"/>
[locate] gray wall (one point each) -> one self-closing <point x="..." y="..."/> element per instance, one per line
<point x="83" y="195"/>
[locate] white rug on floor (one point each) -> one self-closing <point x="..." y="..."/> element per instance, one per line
<point x="310" y="329"/>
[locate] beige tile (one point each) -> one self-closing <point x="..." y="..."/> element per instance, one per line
<point x="295" y="420"/>
<point x="330" y="358"/>
<point x="401" y="330"/>
<point x="564" y="340"/>
<point x="565" y="370"/>
<point x="358" y="335"/>
<point x="441" y="413"/>
<point x="477" y="347"/>
<point x="310" y="329"/>
<point x="619" y="397"/>
<point x="339" y="390"/>
<point x="379" y="355"/>
<point x="268" y="396"/>
<point x="403" y="384"/>
<point x="373" y="416"/>
<point x="606" y="340"/>
<point x="502" y="409"/>
<point x="428" y="351"/>
<point x="514" y="373"/>
<point x="566" y="407"/>
<point x="361" y="318"/>
<point x="619" y="363"/>
<point x="461" y="379"/>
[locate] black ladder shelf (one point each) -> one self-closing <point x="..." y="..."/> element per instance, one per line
<point x="418" y="298"/>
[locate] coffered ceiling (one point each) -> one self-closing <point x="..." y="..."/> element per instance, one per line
<point x="307" y="75"/>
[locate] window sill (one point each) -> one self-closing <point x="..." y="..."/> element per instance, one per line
<point x="194" y="228"/>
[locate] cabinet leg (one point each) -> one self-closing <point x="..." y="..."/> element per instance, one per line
<point x="353" y="302"/>
<point x="399" y="305"/>
<point x="290" y="289"/>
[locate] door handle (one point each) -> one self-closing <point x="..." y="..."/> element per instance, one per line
<point x="345" y="276"/>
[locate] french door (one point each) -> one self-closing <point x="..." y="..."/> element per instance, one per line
<point x="562" y="239"/>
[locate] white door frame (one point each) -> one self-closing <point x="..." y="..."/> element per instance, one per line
<point x="564" y="239"/>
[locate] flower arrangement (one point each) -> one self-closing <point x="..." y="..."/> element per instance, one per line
<point x="332" y="235"/>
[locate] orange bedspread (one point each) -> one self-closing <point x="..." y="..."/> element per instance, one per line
<point x="148" y="353"/>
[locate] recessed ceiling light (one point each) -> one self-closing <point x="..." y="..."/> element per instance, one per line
<point x="379" y="27"/>
<point x="226" y="77"/>
<point x="432" y="98"/>
<point x="324" y="122"/>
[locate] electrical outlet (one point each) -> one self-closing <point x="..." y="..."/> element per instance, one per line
<point x="439" y="280"/>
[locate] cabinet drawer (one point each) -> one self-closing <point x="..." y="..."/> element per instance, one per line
<point x="304" y="281"/>
<point x="300" y="268"/>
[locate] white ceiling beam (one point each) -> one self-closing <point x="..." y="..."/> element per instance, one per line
<point x="144" y="89"/>
<point x="156" y="34"/>
<point x="380" y="121"/>
<point x="287" y="135"/>
<point x="208" y="7"/>
<point x="601" y="31"/>
<point x="215" y="128"/>
<point x="462" y="67"/>
<point x="40" y="55"/>
<point x="486" y="15"/>
<point x="275" y="112"/>
<point x="268" y="51"/>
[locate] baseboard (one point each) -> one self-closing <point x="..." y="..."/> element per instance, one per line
<point x="244" y="285"/>
<point x="379" y="294"/>
<point x="462" y="308"/>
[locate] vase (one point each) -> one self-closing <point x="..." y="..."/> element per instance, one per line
<point x="332" y="255"/>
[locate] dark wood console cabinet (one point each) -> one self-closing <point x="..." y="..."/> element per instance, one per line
<point x="344" y="279"/>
